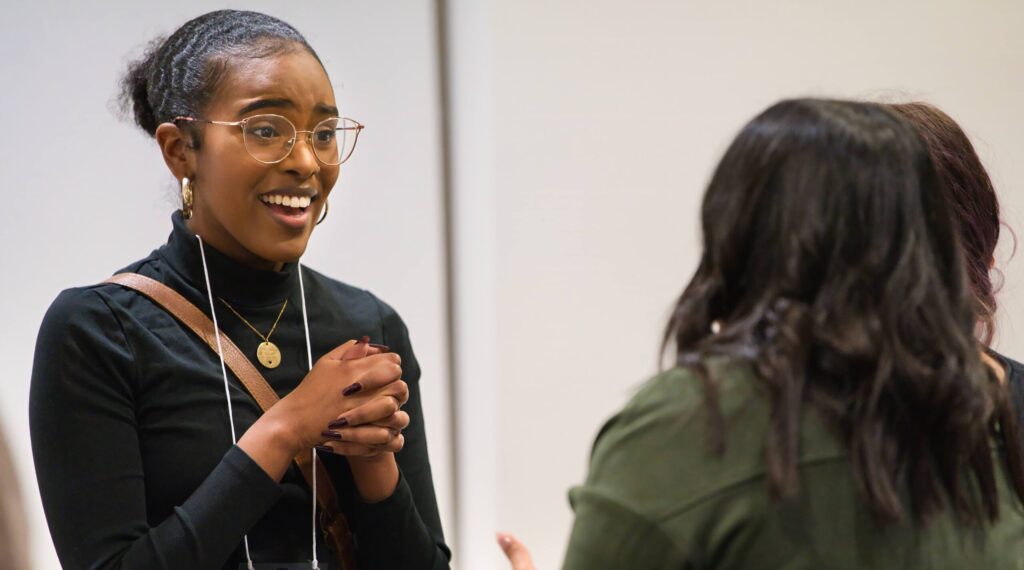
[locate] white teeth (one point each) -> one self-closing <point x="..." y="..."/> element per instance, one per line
<point x="290" y="201"/>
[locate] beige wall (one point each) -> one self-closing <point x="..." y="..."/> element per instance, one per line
<point x="605" y="120"/>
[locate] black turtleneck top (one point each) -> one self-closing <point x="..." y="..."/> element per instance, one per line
<point x="130" y="430"/>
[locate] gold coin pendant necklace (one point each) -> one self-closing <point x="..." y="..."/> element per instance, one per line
<point x="267" y="353"/>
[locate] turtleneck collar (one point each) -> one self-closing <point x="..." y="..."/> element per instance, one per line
<point x="236" y="282"/>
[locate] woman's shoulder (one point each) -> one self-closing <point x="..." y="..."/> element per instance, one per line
<point x="341" y="291"/>
<point x="667" y="428"/>
<point x="1015" y="381"/>
<point x="355" y="299"/>
<point x="684" y="400"/>
<point x="1014" y="370"/>
<point x="660" y="454"/>
<point x="100" y="296"/>
<point x="366" y="310"/>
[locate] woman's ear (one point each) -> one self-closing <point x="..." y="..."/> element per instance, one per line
<point x="176" y="149"/>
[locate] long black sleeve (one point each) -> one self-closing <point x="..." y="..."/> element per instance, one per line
<point x="85" y="442"/>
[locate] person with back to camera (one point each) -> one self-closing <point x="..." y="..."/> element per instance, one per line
<point x="151" y="443"/>
<point x="829" y="406"/>
<point x="976" y="210"/>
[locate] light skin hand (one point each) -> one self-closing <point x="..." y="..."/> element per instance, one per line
<point x="516" y="552"/>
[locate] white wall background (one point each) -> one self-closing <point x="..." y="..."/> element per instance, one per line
<point x="582" y="134"/>
<point x="94" y="194"/>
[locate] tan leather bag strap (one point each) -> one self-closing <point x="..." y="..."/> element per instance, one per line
<point x="333" y="521"/>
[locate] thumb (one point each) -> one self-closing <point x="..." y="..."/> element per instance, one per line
<point x="359" y="350"/>
<point x="515" y="551"/>
<point x="351" y="350"/>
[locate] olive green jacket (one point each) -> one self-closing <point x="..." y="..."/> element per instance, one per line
<point x="657" y="497"/>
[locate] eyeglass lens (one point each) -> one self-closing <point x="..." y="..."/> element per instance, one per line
<point x="269" y="138"/>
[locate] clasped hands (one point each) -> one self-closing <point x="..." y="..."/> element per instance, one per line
<point x="350" y="403"/>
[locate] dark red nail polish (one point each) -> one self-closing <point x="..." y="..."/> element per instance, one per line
<point x="338" y="424"/>
<point x="364" y="340"/>
<point x="352" y="389"/>
<point x="381" y="347"/>
<point x="324" y="449"/>
<point x="331" y="435"/>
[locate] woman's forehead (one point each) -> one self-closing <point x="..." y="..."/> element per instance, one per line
<point x="295" y="79"/>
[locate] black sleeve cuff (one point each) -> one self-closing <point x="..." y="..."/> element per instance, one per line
<point x="236" y="494"/>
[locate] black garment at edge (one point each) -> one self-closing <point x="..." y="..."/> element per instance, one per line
<point x="1015" y="379"/>
<point x="130" y="426"/>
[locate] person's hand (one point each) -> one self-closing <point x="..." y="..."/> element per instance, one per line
<point x="515" y="551"/>
<point x="374" y="425"/>
<point x="353" y="381"/>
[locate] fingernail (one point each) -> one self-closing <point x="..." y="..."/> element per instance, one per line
<point x="351" y="389"/>
<point x="364" y="340"/>
<point x="331" y="435"/>
<point x="324" y="449"/>
<point x="338" y="423"/>
<point x="381" y="347"/>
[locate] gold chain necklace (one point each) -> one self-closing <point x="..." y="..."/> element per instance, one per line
<point x="267" y="353"/>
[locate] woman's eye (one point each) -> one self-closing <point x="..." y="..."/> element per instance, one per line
<point x="325" y="136"/>
<point x="263" y="132"/>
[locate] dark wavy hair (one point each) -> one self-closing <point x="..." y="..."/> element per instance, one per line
<point x="831" y="262"/>
<point x="972" y="197"/>
<point x="179" y="75"/>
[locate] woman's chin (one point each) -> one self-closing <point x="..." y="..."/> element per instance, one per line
<point x="287" y="252"/>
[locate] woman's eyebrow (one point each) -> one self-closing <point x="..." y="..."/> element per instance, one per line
<point x="327" y="109"/>
<point x="322" y="108"/>
<point x="264" y="103"/>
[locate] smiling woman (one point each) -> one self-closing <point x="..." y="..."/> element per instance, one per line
<point x="154" y="451"/>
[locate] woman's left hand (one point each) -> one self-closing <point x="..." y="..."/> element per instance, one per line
<point x="516" y="552"/>
<point x="367" y="441"/>
<point x="370" y="440"/>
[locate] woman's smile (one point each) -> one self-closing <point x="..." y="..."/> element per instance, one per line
<point x="290" y="208"/>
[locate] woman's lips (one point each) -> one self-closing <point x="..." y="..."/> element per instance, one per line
<point x="294" y="218"/>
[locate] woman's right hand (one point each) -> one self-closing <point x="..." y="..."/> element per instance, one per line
<point x="516" y="552"/>
<point x="334" y="387"/>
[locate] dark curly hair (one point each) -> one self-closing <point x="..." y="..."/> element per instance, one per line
<point x="831" y="262"/>
<point x="178" y="75"/>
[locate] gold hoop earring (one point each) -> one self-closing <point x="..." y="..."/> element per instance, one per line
<point x="186" y="198"/>
<point x="324" y="215"/>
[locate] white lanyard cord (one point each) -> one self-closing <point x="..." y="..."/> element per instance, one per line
<point x="309" y="361"/>
<point x="227" y="394"/>
<point x="223" y="371"/>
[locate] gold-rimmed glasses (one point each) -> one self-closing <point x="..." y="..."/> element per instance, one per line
<point x="271" y="138"/>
